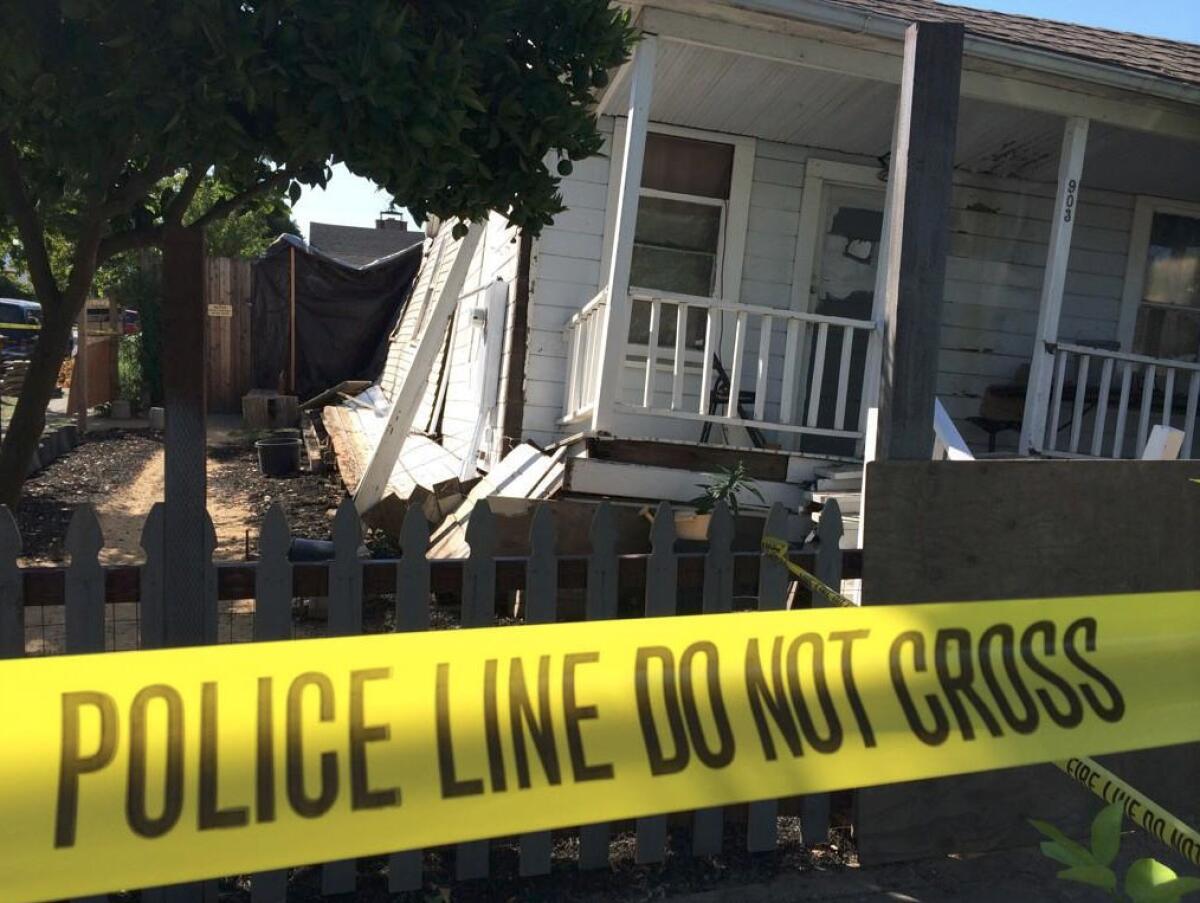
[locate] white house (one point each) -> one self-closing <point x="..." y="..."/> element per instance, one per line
<point x="714" y="289"/>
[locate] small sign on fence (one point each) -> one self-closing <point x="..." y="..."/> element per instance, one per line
<point x="220" y="310"/>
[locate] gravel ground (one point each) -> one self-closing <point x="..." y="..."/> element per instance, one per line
<point x="98" y="468"/>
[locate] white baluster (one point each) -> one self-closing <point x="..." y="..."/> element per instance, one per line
<point x="1081" y="378"/>
<point x="677" y="366"/>
<point x="735" y="370"/>
<point x="818" y="377"/>
<point x="1060" y="378"/>
<point x="843" y="386"/>
<point x="651" y="354"/>
<point x="1102" y="407"/>
<point x="764" y="357"/>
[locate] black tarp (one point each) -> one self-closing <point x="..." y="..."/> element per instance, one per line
<point x="344" y="315"/>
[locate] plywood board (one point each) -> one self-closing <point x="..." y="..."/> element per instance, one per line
<point x="966" y="531"/>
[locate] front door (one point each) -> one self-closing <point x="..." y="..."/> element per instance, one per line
<point x="844" y="286"/>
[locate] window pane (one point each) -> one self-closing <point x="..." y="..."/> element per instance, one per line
<point x="682" y="225"/>
<point x="686" y="272"/>
<point x="1173" y="267"/>
<point x="1167" y="333"/>
<point x="687" y="166"/>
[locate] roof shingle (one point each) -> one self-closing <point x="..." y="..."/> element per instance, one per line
<point x="1175" y="60"/>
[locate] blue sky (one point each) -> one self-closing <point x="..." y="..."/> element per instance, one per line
<point x="352" y="201"/>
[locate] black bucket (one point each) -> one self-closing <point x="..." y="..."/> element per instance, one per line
<point x="278" y="456"/>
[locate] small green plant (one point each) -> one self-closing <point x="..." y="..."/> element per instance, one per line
<point x="1146" y="880"/>
<point x="725" y="488"/>
<point x="129" y="369"/>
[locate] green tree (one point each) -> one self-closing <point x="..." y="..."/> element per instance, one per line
<point x="114" y="113"/>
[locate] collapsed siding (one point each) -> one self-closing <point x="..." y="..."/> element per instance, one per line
<point x="449" y="401"/>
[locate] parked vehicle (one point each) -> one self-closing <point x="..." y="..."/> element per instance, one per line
<point x="20" y="325"/>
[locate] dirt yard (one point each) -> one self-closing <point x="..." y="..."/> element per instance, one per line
<point x="121" y="473"/>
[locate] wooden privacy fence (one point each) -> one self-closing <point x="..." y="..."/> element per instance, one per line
<point x="227" y="296"/>
<point x="91" y="597"/>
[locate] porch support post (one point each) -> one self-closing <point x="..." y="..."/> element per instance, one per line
<point x="616" y="312"/>
<point x="1041" y="368"/>
<point x="917" y="237"/>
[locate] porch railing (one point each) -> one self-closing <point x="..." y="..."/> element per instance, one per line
<point x="757" y="367"/>
<point x="583" y="334"/>
<point x="1086" y="382"/>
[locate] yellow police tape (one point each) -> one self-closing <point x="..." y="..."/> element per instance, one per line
<point x="146" y="768"/>
<point x="1139" y="808"/>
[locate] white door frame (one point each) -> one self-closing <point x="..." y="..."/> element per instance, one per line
<point x="812" y="204"/>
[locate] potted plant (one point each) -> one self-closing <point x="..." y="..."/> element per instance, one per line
<point x="724" y="487"/>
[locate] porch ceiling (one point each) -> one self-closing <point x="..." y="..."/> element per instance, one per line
<point x="724" y="91"/>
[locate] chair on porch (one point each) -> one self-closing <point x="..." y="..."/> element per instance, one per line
<point x="718" y="397"/>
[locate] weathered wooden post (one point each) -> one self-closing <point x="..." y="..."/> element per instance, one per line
<point x="189" y="613"/>
<point x="186" y="622"/>
<point x="917" y="237"/>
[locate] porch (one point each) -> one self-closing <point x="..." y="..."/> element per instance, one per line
<point x="1053" y="297"/>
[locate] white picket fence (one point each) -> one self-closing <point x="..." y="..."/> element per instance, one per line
<point x="85" y="589"/>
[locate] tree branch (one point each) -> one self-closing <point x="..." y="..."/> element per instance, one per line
<point x="226" y="206"/>
<point x="29" y="224"/>
<point x="173" y="215"/>
<point x="139" y="183"/>
<point x="112" y="245"/>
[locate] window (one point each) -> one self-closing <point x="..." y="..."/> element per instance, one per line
<point x="1168" y="313"/>
<point x="679" y="237"/>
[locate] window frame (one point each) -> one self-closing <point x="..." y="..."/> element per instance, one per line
<point x="737" y="213"/>
<point x="1144" y="211"/>
<point x="721" y="203"/>
<point x="735" y="224"/>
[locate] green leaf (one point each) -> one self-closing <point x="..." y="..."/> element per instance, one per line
<point x="1106" y="833"/>
<point x="1062" y="855"/>
<point x="1080" y="854"/>
<point x="1144" y="878"/>
<point x="1095" y="875"/>
<point x="1170" y="891"/>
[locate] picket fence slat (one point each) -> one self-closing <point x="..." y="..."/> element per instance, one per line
<point x="471" y="859"/>
<point x="345" y="619"/>
<point x="762" y="827"/>
<point x="405" y="868"/>
<point x="152" y="616"/>
<point x="814" y="808"/>
<point x="708" y="825"/>
<point x="541" y="592"/>
<point x="12" y="588"/>
<point x="600" y="605"/>
<point x="272" y="621"/>
<point x="85" y="583"/>
<point x="662" y="578"/>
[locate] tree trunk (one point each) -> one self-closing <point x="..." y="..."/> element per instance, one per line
<point x="24" y="431"/>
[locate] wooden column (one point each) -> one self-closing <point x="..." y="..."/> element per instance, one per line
<point x="616" y="315"/>
<point x="917" y="239"/>
<point x="186" y="620"/>
<point x="1041" y="367"/>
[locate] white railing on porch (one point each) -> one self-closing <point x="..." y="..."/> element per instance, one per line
<point x="583" y="334"/>
<point x="797" y="366"/>
<point x="1104" y="403"/>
